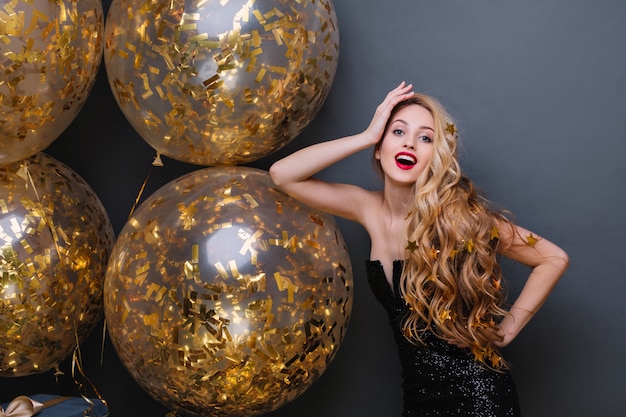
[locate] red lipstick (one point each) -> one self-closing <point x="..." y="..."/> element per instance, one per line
<point x="405" y="160"/>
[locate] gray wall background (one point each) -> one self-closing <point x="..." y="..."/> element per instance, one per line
<point x="538" y="89"/>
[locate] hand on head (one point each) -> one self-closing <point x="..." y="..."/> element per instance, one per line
<point x="376" y="129"/>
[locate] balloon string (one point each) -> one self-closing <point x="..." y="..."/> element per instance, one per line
<point x="157" y="162"/>
<point x="77" y="365"/>
<point x="104" y="334"/>
<point x="57" y="373"/>
<point x="77" y="357"/>
<point x="143" y="186"/>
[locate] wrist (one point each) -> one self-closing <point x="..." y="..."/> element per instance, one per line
<point x="369" y="138"/>
<point x="515" y="307"/>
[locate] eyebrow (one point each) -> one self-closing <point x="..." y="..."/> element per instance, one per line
<point x="404" y="122"/>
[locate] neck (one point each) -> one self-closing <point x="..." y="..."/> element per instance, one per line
<point x="396" y="200"/>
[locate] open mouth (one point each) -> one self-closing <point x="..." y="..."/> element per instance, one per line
<point x="405" y="160"/>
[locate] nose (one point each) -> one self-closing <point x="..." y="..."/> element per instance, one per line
<point x="409" y="142"/>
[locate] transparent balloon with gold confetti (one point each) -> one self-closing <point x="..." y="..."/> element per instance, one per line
<point x="50" y="54"/>
<point x="220" y="82"/>
<point x="55" y="239"/>
<point x="225" y="296"/>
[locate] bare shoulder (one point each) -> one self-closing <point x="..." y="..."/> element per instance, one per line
<point x="356" y="203"/>
<point x="343" y="200"/>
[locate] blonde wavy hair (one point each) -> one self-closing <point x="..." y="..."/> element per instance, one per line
<point x="451" y="279"/>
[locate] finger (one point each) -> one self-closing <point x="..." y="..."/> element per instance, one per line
<point x="399" y="89"/>
<point x="407" y="90"/>
<point x="404" y="86"/>
<point x="396" y="97"/>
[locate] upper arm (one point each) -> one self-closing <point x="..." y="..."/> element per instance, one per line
<point x="530" y="249"/>
<point x="343" y="200"/>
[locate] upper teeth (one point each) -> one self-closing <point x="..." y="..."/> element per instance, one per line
<point x="406" y="158"/>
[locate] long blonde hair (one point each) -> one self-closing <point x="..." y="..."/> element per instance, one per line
<point x="451" y="279"/>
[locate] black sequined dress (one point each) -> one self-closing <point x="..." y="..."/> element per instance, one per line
<point x="440" y="379"/>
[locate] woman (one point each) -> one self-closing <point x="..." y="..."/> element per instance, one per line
<point x="434" y="243"/>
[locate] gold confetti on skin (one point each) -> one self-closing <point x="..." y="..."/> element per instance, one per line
<point x="251" y="75"/>
<point x="531" y="240"/>
<point x="411" y="246"/>
<point x="250" y="314"/>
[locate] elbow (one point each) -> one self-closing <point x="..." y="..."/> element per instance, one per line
<point x="561" y="261"/>
<point x="285" y="177"/>
<point x="275" y="175"/>
<point x="282" y="176"/>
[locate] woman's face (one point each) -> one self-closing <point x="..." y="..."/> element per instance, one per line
<point x="407" y="145"/>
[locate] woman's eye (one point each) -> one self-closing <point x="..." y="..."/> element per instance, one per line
<point x="425" y="139"/>
<point x="398" y="132"/>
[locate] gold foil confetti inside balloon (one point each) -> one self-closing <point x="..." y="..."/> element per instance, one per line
<point x="55" y="239"/>
<point x="50" y="53"/>
<point x="220" y="82"/>
<point x="225" y="296"/>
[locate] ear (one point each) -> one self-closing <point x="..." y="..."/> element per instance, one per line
<point x="377" y="154"/>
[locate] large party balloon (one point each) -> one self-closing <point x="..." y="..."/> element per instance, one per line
<point x="215" y="82"/>
<point x="55" y="239"/>
<point x="50" y="53"/>
<point x="225" y="296"/>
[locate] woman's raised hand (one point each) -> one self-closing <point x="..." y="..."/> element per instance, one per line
<point x="376" y="129"/>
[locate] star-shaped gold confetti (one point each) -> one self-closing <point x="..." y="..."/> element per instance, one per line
<point x="468" y="245"/>
<point x="496" y="360"/>
<point x="478" y="323"/>
<point x="445" y="315"/>
<point x="479" y="353"/>
<point x="531" y="240"/>
<point x="495" y="233"/>
<point x="451" y="128"/>
<point x="434" y="252"/>
<point x="412" y="245"/>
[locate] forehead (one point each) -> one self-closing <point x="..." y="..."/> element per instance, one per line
<point x="414" y="114"/>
